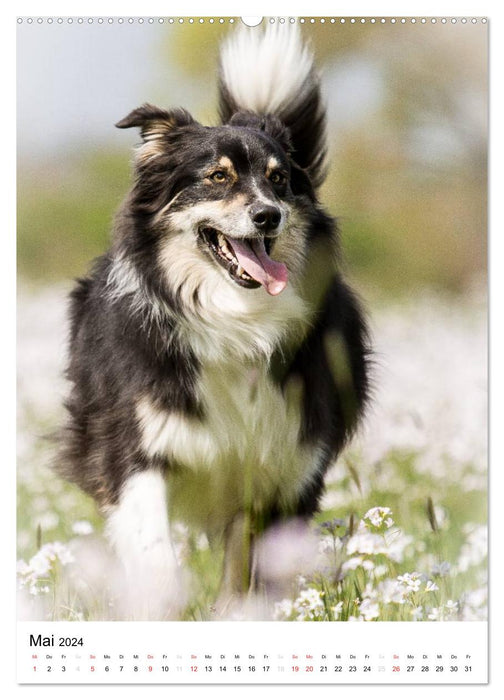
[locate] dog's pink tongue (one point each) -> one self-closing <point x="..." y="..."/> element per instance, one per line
<point x="254" y="259"/>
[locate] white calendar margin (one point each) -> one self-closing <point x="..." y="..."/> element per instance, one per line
<point x="292" y="652"/>
<point x="317" y="7"/>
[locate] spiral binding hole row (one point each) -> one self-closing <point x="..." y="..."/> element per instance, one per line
<point x="233" y="20"/>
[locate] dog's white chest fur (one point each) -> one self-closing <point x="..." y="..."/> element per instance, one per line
<point x="244" y="452"/>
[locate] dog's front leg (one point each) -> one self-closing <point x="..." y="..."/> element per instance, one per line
<point x="138" y="530"/>
<point x="238" y="557"/>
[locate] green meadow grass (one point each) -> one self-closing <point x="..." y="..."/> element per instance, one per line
<point x="421" y="459"/>
<point x="433" y="524"/>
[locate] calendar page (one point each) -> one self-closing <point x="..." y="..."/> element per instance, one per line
<point x="252" y="350"/>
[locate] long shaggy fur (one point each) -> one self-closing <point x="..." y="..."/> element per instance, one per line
<point x="216" y="344"/>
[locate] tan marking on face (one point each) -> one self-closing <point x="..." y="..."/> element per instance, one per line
<point x="272" y="165"/>
<point x="229" y="210"/>
<point x="214" y="210"/>
<point x="236" y="202"/>
<point x="226" y="165"/>
<point x="217" y="207"/>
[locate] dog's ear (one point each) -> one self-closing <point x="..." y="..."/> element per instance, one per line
<point x="273" y="126"/>
<point x="300" y="182"/>
<point x="155" y="123"/>
<point x="157" y="128"/>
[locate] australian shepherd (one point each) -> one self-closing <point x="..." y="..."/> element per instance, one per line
<point x="217" y="359"/>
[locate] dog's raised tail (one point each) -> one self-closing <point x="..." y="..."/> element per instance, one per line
<point x="272" y="72"/>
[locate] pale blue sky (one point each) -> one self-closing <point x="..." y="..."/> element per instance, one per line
<point x="74" y="81"/>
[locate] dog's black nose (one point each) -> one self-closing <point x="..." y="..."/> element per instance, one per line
<point x="265" y="216"/>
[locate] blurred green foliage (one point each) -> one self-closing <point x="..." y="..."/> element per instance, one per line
<point x="407" y="178"/>
<point x="65" y="213"/>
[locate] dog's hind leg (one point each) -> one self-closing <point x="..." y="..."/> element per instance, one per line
<point x="138" y="530"/>
<point x="238" y="556"/>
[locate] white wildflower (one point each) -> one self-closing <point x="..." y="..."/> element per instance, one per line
<point x="48" y="521"/>
<point x="364" y="542"/>
<point x="412" y="415"/>
<point x="475" y="549"/>
<point x="469" y="614"/>
<point x="329" y="545"/>
<point x="351" y="564"/>
<point x="369" y="592"/>
<point x="410" y="582"/>
<point x="369" y="610"/>
<point x="309" y="604"/>
<point x="391" y="591"/>
<point x="60" y="551"/>
<point x="396" y="544"/>
<point x="417" y="613"/>
<point x="441" y="515"/>
<point x="82" y="527"/>
<point x="442" y="569"/>
<point x="379" y="516"/>
<point x="451" y="606"/>
<point x="283" y="609"/>
<point x="380" y="570"/>
<point x="431" y="586"/>
<point x="474" y="605"/>
<point x="22" y="568"/>
<point x="40" y="504"/>
<point x="390" y="543"/>
<point x="40" y="566"/>
<point x="337" y="609"/>
<point x="477" y="598"/>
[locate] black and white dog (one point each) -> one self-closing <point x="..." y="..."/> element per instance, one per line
<point x="218" y="361"/>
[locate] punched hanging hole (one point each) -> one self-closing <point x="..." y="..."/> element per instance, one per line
<point x="252" y="21"/>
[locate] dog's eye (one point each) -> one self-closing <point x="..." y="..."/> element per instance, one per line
<point x="218" y="176"/>
<point x="277" y="178"/>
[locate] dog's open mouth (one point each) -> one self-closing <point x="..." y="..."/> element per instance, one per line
<point x="247" y="260"/>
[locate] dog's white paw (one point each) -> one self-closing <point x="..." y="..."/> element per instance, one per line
<point x="154" y="587"/>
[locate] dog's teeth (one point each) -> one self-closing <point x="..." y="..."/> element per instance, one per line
<point x="224" y="248"/>
<point x="223" y="243"/>
<point x="240" y="271"/>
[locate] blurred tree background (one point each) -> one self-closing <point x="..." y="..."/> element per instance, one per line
<point x="407" y="107"/>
